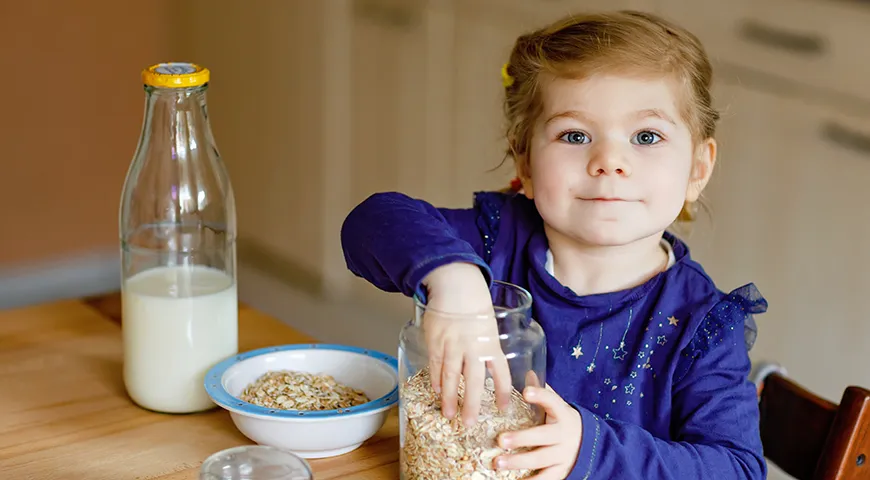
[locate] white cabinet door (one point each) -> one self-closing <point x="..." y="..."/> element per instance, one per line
<point x="387" y="58"/>
<point x="399" y="112"/>
<point x="788" y="213"/>
<point x="484" y="39"/>
<point x="265" y="105"/>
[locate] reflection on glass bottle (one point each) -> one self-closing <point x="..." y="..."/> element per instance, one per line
<point x="178" y="247"/>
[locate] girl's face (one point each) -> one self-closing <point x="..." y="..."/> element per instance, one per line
<point x="611" y="160"/>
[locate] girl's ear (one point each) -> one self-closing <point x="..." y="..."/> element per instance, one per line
<point x="702" y="169"/>
<point x="524" y="176"/>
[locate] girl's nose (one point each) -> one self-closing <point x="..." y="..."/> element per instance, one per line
<point x="607" y="160"/>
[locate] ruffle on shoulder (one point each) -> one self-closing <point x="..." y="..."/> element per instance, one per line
<point x="488" y="205"/>
<point x="736" y="308"/>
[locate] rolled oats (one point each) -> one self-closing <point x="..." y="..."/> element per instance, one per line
<point x="435" y="448"/>
<point x="292" y="390"/>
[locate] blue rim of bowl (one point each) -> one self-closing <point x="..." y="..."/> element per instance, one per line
<point x="215" y="388"/>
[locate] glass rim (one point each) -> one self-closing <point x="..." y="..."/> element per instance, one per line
<point x="500" y="312"/>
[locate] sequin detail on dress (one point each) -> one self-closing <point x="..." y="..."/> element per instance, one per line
<point x="489" y="205"/>
<point x="737" y="307"/>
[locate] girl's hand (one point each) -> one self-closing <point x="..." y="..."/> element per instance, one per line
<point x="462" y="338"/>
<point x="555" y="444"/>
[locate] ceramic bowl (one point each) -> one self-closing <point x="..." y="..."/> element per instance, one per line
<point x="308" y="434"/>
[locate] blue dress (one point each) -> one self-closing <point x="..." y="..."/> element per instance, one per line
<point x="658" y="372"/>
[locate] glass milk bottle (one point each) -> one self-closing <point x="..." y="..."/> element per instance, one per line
<point x="178" y="248"/>
<point x="432" y="446"/>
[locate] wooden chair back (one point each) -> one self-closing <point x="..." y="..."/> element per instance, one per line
<point x="811" y="438"/>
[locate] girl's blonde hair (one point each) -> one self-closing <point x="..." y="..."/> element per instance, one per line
<point x="623" y="42"/>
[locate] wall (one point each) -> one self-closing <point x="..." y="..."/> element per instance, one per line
<point x="72" y="110"/>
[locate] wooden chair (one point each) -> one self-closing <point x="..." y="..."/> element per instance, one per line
<point x="811" y="438"/>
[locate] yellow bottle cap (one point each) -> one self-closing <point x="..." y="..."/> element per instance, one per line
<point x="175" y="75"/>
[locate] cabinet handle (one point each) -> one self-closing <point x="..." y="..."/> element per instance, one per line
<point x="378" y="12"/>
<point x="846" y="137"/>
<point x="803" y="43"/>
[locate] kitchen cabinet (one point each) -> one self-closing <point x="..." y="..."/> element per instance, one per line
<point x="486" y="36"/>
<point x="270" y="102"/>
<point x="821" y="44"/>
<point x="393" y="116"/>
<point x="388" y="97"/>
<point x="316" y="105"/>
<point x="788" y="213"/>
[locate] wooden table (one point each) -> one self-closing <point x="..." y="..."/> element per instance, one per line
<point x="64" y="413"/>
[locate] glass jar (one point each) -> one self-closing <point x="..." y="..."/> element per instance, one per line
<point x="255" y="462"/>
<point x="433" y="447"/>
<point x="178" y="248"/>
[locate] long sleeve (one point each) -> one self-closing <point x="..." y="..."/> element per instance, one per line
<point x="394" y="241"/>
<point x="715" y="418"/>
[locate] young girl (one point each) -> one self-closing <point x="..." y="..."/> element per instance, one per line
<point x="611" y="132"/>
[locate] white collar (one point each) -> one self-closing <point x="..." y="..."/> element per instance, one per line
<point x="664" y="243"/>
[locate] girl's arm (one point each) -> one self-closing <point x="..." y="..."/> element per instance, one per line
<point x="394" y="241"/>
<point x="715" y="414"/>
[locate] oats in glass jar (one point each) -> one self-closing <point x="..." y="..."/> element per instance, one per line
<point x="436" y="448"/>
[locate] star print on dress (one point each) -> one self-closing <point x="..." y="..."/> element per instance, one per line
<point x="673" y="321"/>
<point x="619" y="353"/>
<point x="577" y="350"/>
<point x="661" y="340"/>
<point x="607" y="381"/>
<point x="591" y="367"/>
<point x="629" y="389"/>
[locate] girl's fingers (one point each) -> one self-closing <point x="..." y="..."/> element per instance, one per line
<point x="542" y="457"/>
<point x="542" y="435"/>
<point x="501" y="377"/>
<point x="450" y="371"/>
<point x="475" y="375"/>
<point x="548" y="399"/>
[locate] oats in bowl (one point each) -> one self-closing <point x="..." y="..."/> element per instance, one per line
<point x="293" y="390"/>
<point x="361" y="383"/>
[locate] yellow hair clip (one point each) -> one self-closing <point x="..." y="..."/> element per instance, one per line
<point x="506" y="79"/>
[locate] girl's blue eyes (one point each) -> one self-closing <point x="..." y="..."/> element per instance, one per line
<point x="645" y="137"/>
<point x="575" y="137"/>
